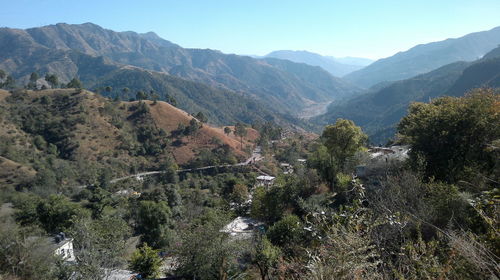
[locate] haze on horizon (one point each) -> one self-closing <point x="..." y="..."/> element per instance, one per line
<point x="335" y="28"/>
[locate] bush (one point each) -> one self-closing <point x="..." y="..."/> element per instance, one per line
<point x="146" y="262"/>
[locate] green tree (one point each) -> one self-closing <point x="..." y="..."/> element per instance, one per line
<point x="343" y="139"/>
<point x="33" y="78"/>
<point x="52" y="80"/>
<point x="74" y="83"/>
<point x="46" y="100"/>
<point x="239" y="194"/>
<point x="169" y="168"/>
<point x="98" y="201"/>
<point x="57" y="213"/>
<point x="108" y="89"/>
<point x="46" y="179"/>
<point x="99" y="244"/>
<point x="241" y="131"/>
<point x="2" y="74"/>
<point x="285" y="232"/>
<point x="206" y="252"/>
<point x="9" y="83"/>
<point x="26" y="203"/>
<point x="155" y="98"/>
<point x="266" y="256"/>
<point x="153" y="220"/>
<point x="146" y="262"/>
<point x="257" y="209"/>
<point x="141" y="95"/>
<point x="193" y="127"/>
<point x="171" y="100"/>
<point x="450" y="136"/>
<point x="23" y="255"/>
<point x="267" y="205"/>
<point x="227" y="130"/>
<point x="326" y="165"/>
<point x="201" y="117"/>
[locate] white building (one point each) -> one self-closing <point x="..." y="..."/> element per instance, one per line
<point x="302" y="160"/>
<point x="62" y="246"/>
<point x="265" y="180"/>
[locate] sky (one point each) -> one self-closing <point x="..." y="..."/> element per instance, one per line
<point x="359" y="28"/>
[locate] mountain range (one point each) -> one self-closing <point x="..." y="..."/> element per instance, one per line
<point x="426" y="57"/>
<point x="228" y="88"/>
<point x="379" y="110"/>
<point x="335" y="66"/>
<point x="91" y="52"/>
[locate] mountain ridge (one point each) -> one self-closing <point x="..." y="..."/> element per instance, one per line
<point x="379" y="110"/>
<point x="423" y="58"/>
<point x="236" y="73"/>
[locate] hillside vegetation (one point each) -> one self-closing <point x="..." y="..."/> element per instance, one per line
<point x="428" y="210"/>
<point x="379" y="110"/>
<point x="80" y="133"/>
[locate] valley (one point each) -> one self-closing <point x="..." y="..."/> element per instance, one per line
<point x="124" y="155"/>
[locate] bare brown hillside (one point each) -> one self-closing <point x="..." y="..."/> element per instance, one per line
<point x="169" y="117"/>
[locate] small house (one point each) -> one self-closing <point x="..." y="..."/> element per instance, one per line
<point x="265" y="180"/>
<point x="302" y="160"/>
<point x="62" y="246"/>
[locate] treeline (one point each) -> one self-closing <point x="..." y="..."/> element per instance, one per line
<point x="8" y="82"/>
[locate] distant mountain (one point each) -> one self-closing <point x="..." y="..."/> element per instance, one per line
<point x="221" y="106"/>
<point x="285" y="92"/>
<point x="349" y="60"/>
<point x="22" y="55"/>
<point x="379" y="110"/>
<point x="426" y="57"/>
<point x="335" y="66"/>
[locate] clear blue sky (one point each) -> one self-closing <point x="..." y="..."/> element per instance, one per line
<point x="370" y="28"/>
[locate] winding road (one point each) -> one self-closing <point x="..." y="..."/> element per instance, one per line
<point x="256" y="156"/>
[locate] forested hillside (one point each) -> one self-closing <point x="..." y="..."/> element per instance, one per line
<point x="379" y="111"/>
<point x="72" y="131"/>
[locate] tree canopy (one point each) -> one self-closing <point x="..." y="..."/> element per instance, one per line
<point x="343" y="139"/>
<point x="74" y="83"/>
<point x="452" y="138"/>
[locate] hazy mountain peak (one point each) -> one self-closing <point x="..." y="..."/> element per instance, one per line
<point x="335" y="66"/>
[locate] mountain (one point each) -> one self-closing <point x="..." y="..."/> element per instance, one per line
<point x="222" y="106"/>
<point x="349" y="60"/>
<point x="426" y="57"/>
<point x="284" y="91"/>
<point x="333" y="65"/>
<point x="379" y="110"/>
<point x="87" y="132"/>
